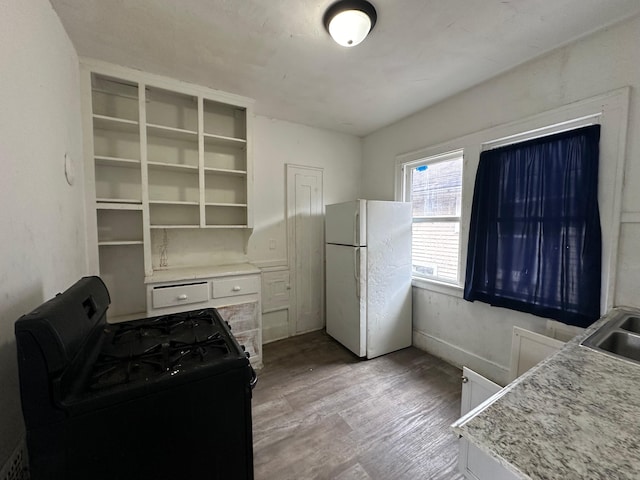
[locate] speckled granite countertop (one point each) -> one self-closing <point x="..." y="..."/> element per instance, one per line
<point x="575" y="415"/>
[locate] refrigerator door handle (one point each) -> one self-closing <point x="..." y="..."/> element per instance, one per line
<point x="356" y="227"/>
<point x="356" y="270"/>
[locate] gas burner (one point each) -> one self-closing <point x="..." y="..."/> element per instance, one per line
<point x="163" y="325"/>
<point x="214" y="340"/>
<point x="137" y="361"/>
<point x="110" y="370"/>
<point x="179" y="350"/>
<point x="199" y="347"/>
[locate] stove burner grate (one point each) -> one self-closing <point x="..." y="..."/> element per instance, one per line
<point x="168" y="356"/>
<point x="163" y="325"/>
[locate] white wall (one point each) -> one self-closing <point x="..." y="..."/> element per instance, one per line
<point x="42" y="246"/>
<point x="477" y="334"/>
<point x="277" y="143"/>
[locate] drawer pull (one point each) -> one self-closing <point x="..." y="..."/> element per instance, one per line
<point x="235" y="287"/>
<point x="179" y="295"/>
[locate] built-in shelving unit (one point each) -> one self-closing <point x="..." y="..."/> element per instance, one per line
<point x="165" y="156"/>
<point x="117" y="168"/>
<point x="105" y="161"/>
<point x="225" y="165"/>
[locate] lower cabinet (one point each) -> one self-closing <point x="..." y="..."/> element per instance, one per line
<point x="275" y="304"/>
<point x="527" y="350"/>
<point x="473" y="463"/>
<point x="236" y="297"/>
<point x="244" y="319"/>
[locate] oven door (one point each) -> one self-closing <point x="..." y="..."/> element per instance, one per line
<point x="188" y="430"/>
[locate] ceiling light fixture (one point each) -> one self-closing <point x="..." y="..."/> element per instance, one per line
<point x="350" y="21"/>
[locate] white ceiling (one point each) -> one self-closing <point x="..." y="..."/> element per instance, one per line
<point x="278" y="53"/>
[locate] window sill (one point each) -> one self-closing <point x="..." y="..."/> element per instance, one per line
<point x="438" y="287"/>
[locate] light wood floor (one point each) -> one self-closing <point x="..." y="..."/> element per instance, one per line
<point x="321" y="413"/>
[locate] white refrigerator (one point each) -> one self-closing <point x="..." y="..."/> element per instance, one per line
<point x="368" y="275"/>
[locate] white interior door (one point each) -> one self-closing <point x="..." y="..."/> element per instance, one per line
<point x="305" y="245"/>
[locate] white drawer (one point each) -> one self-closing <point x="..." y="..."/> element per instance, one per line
<point x="232" y="287"/>
<point x="180" y="295"/>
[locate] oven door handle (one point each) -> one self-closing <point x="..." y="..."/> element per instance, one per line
<point x="254" y="378"/>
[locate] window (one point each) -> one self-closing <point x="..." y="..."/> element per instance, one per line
<point x="433" y="185"/>
<point x="535" y="241"/>
<point x="610" y="110"/>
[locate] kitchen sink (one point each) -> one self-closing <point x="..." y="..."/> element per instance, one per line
<point x="631" y="324"/>
<point x="619" y="337"/>
<point x="622" y="344"/>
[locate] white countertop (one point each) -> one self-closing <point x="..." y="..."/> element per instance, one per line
<point x="576" y="416"/>
<point x="195" y="273"/>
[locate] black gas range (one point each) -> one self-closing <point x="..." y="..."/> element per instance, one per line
<point x="166" y="397"/>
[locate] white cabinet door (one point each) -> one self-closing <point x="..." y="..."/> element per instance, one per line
<point x="528" y="349"/>
<point x="275" y="305"/>
<point x="472" y="462"/>
<point x="475" y="390"/>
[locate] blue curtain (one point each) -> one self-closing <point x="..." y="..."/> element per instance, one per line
<point x="534" y="240"/>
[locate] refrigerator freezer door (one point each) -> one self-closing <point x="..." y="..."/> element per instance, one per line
<point x="389" y="326"/>
<point x="347" y="296"/>
<point x="345" y="223"/>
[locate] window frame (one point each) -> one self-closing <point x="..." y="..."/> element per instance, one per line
<point x="406" y="169"/>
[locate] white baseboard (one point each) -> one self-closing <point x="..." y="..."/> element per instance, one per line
<point x="275" y="339"/>
<point x="459" y="357"/>
<point x="15" y="467"/>
<point x="308" y="331"/>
